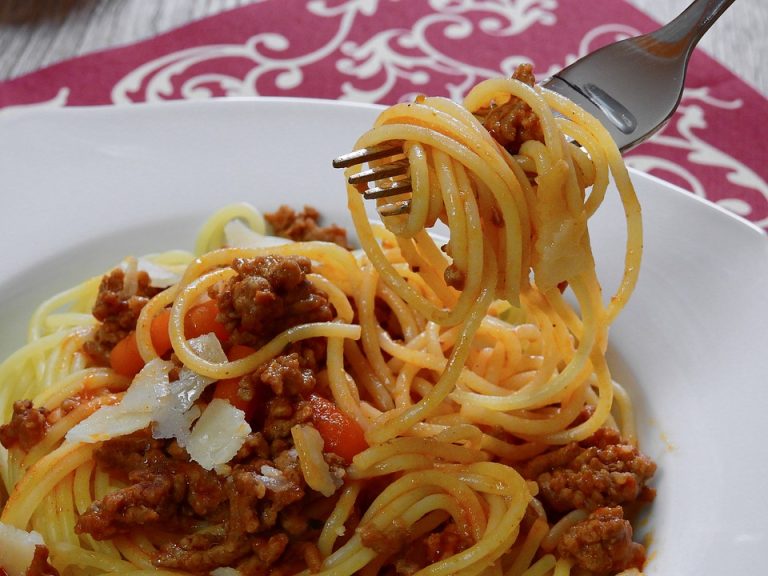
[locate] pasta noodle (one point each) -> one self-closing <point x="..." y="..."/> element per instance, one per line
<point x="459" y="366"/>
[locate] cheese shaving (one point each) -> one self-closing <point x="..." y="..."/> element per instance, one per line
<point x="238" y="234"/>
<point x="273" y="479"/>
<point x="174" y="416"/>
<point x="134" y="412"/>
<point x="218" y="434"/>
<point x="153" y="399"/>
<point x="17" y="549"/>
<point x="309" y="446"/>
<point x="161" y="275"/>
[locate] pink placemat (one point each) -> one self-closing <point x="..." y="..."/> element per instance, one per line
<point x="389" y="50"/>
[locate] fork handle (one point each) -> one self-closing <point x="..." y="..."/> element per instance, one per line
<point x="692" y="23"/>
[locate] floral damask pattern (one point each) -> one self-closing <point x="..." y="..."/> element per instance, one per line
<point x="370" y="68"/>
<point x="390" y="50"/>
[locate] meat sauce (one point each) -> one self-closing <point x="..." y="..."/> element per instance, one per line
<point x="513" y="122"/>
<point x="117" y="309"/>
<point x="267" y="518"/>
<point x="602" y="475"/>
<point x="261" y="503"/>
<point x="27" y="426"/>
<point x="269" y="295"/>
<point x="304" y="226"/>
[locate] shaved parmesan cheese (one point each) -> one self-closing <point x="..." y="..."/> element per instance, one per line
<point x="218" y="434"/>
<point x="17" y="548"/>
<point x="174" y="415"/>
<point x="168" y="422"/>
<point x="208" y="348"/>
<point x="160" y="276"/>
<point x="170" y="406"/>
<point x="239" y="235"/>
<point x="309" y="446"/>
<point x="134" y="412"/>
<point x="153" y="399"/>
<point x="131" y="277"/>
<point x="274" y="479"/>
<point x="106" y="423"/>
<point x="147" y="387"/>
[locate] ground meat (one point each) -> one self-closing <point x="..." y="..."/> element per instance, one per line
<point x="27" y="426"/>
<point x="513" y="122"/>
<point x="454" y="277"/>
<point x="282" y="415"/>
<point x="40" y="565"/>
<point x="286" y="374"/>
<point x="254" y="447"/>
<point x="602" y="543"/>
<point x="447" y="542"/>
<point x="385" y="542"/>
<point x="266" y="553"/>
<point x="164" y="487"/>
<point x="407" y="555"/>
<point x="255" y="513"/>
<point x="66" y="406"/>
<point x="247" y="489"/>
<point x="288" y="464"/>
<point x="122" y="454"/>
<point x="269" y="295"/>
<point x="202" y="552"/>
<point x="261" y="514"/>
<point x="602" y="470"/>
<point x="117" y="310"/>
<point x="261" y="508"/>
<point x="146" y="502"/>
<point x="167" y="490"/>
<point x="312" y="557"/>
<point x="303" y="226"/>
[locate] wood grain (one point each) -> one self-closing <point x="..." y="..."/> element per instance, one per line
<point x="37" y="33"/>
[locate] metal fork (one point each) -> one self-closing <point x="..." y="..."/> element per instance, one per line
<point x="632" y="86"/>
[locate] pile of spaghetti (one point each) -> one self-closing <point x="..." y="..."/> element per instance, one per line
<point x="415" y="406"/>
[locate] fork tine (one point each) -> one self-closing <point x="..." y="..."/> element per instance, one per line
<point x="397" y="168"/>
<point x="398" y="187"/>
<point x="367" y="154"/>
<point x="395" y="208"/>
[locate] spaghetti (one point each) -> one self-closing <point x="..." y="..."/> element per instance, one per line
<point x="396" y="409"/>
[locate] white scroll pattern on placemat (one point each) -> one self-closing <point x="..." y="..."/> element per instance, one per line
<point x="396" y="63"/>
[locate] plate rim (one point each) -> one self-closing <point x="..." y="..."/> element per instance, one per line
<point x="727" y="223"/>
<point x="21" y="113"/>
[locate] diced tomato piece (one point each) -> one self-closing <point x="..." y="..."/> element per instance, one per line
<point x="161" y="339"/>
<point x="201" y="319"/>
<point x="341" y="434"/>
<point x="239" y="351"/>
<point x="227" y="388"/>
<point x="125" y="358"/>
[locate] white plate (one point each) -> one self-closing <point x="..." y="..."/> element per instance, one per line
<point x="81" y="188"/>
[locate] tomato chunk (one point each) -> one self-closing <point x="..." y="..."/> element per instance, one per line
<point x="125" y="358"/>
<point x="161" y="339"/>
<point x="341" y="434"/>
<point x="201" y="319"/>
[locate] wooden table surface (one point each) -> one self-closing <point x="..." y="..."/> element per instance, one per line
<point x="36" y="33"/>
